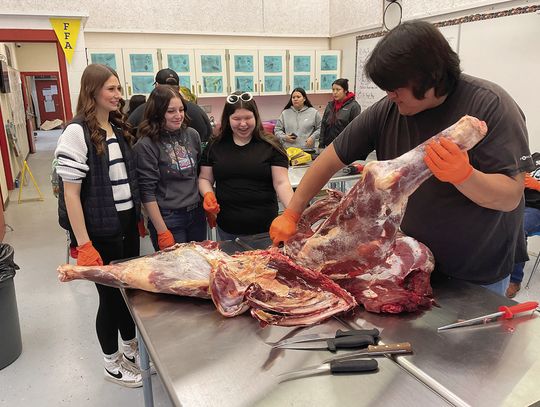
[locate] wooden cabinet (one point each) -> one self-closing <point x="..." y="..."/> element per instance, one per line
<point x="211" y="73"/>
<point x="182" y="61"/>
<point x="244" y="70"/>
<point x="328" y="69"/>
<point x="302" y="70"/>
<point x="140" y="68"/>
<point x="272" y="72"/>
<point x="110" y="57"/>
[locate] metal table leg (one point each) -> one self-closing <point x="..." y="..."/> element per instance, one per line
<point x="145" y="372"/>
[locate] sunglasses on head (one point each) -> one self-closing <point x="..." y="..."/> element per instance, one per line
<point x="244" y="97"/>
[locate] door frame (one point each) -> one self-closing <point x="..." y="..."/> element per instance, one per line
<point x="27" y="35"/>
<point x="24" y="76"/>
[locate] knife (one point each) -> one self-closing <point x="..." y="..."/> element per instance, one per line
<point x="317" y="337"/>
<point x="504" y="312"/>
<point x="345" y="366"/>
<point x="332" y="344"/>
<point x="375" y="351"/>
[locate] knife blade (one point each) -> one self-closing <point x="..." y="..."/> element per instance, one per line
<point x="376" y="351"/>
<point x="332" y="344"/>
<point x="346" y="366"/>
<point x="324" y="336"/>
<point x="504" y="312"/>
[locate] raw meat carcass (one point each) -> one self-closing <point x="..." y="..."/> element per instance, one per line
<point x="357" y="245"/>
<point x="182" y="269"/>
<point x="278" y="291"/>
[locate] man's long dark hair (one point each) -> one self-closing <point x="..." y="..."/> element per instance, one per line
<point x="303" y="93"/>
<point x="414" y="54"/>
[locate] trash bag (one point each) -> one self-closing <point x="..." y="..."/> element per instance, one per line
<point x="7" y="264"/>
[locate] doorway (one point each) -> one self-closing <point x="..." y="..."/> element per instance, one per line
<point x="48" y="98"/>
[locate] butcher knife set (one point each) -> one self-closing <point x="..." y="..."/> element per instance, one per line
<point x="354" y="362"/>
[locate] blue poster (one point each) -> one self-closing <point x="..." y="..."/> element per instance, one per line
<point x="141" y="63"/>
<point x="302" y="63"/>
<point x="273" y="64"/>
<point x="213" y="84"/>
<point x="328" y="62"/>
<point x="178" y="62"/>
<point x="326" y="81"/>
<point x="211" y="63"/>
<point x="142" y="84"/>
<point x="244" y="83"/>
<point x="243" y="63"/>
<point x="273" y="84"/>
<point x="185" y="81"/>
<point x="105" y="59"/>
<point x="302" y="81"/>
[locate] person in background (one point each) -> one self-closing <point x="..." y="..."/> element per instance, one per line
<point x="134" y="102"/>
<point x="168" y="152"/>
<point x="470" y="213"/>
<point x="531" y="221"/>
<point x="198" y="119"/>
<point x="248" y="167"/>
<point x="338" y="113"/>
<point x="99" y="203"/>
<point x="299" y="124"/>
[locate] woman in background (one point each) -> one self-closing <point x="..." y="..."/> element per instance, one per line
<point x="168" y="152"/>
<point x="299" y="124"/>
<point x="99" y="202"/>
<point x="134" y="102"/>
<point x="248" y="167"/>
<point x="339" y="112"/>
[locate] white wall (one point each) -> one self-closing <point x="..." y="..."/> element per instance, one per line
<point x="245" y="17"/>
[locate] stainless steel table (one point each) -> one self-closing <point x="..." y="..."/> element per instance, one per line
<point x="204" y="359"/>
<point x="338" y="180"/>
<point x="497" y="364"/>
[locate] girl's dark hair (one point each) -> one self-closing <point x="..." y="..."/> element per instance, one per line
<point x="92" y="81"/>
<point x="303" y="92"/>
<point x="155" y="109"/>
<point x="344" y="83"/>
<point x="415" y="54"/>
<point x="258" y="131"/>
<point x="134" y="102"/>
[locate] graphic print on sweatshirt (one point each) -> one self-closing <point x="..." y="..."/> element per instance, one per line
<point x="180" y="158"/>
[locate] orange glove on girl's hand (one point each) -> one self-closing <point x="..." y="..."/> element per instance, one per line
<point x="88" y="255"/>
<point x="210" y="203"/>
<point x="447" y="162"/>
<point x="165" y="239"/>
<point x="532" y="183"/>
<point x="211" y="219"/>
<point x="284" y="226"/>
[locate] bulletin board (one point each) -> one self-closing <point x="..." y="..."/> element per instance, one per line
<point x="502" y="47"/>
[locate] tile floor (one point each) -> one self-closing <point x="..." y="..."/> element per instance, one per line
<point x="61" y="362"/>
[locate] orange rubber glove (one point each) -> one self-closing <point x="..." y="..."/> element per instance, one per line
<point x="211" y="219"/>
<point x="165" y="239"/>
<point x="88" y="255"/>
<point x="447" y="162"/>
<point x="210" y="203"/>
<point x="284" y="226"/>
<point x="532" y="183"/>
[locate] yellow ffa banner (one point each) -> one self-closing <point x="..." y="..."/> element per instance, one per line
<point x="67" y="31"/>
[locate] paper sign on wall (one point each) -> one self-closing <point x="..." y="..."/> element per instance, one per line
<point x="67" y="31"/>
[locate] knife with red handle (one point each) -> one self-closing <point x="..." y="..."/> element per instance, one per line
<point x="505" y="312"/>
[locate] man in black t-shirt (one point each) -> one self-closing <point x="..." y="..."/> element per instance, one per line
<point x="470" y="220"/>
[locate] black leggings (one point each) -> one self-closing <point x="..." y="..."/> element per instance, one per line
<point x="113" y="314"/>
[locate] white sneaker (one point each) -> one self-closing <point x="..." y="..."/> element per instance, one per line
<point x="123" y="374"/>
<point x="134" y="358"/>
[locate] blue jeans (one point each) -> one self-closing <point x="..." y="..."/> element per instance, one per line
<point x="186" y="225"/>
<point x="499" y="287"/>
<point x="531" y="225"/>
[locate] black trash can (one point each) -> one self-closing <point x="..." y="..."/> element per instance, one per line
<point x="10" y="331"/>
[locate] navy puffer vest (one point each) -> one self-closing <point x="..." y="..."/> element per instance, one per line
<point x="97" y="199"/>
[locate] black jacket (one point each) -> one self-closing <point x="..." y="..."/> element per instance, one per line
<point x="333" y="123"/>
<point x="97" y="198"/>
